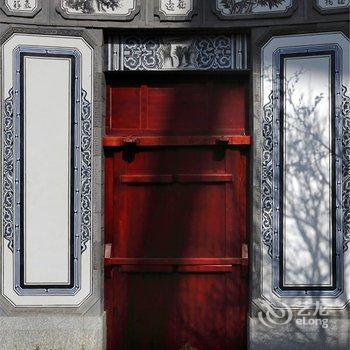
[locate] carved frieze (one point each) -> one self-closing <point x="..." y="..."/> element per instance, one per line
<point x="164" y="53"/>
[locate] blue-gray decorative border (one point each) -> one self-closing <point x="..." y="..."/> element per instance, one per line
<point x="345" y="114"/>
<point x="271" y="175"/>
<point x="225" y="52"/>
<point x="13" y="164"/>
<point x="8" y="171"/>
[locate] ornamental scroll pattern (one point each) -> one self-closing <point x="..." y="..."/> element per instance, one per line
<point x="267" y="175"/>
<point x="203" y="53"/>
<point x="8" y="171"/>
<point x="345" y="112"/>
<point x="86" y="173"/>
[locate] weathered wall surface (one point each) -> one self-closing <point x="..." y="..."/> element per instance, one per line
<point x="50" y="324"/>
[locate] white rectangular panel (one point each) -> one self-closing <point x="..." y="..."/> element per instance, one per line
<point x="47" y="118"/>
<point x="307" y="194"/>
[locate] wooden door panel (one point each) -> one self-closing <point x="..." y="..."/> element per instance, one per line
<point x="177" y="309"/>
<point x="163" y="198"/>
<point x="177" y="107"/>
<point x="176" y="213"/>
<point x="171" y="221"/>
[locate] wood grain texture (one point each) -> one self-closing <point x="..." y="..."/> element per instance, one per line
<point x="177" y="178"/>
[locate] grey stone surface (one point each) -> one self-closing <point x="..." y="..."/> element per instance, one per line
<point x="52" y="333"/>
<point x="295" y="337"/>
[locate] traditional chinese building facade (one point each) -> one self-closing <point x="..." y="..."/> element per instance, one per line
<point x="175" y="174"/>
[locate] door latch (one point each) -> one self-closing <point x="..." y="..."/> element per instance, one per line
<point x="245" y="260"/>
<point x="222" y="140"/>
<point x="131" y="141"/>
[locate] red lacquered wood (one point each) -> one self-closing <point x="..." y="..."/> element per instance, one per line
<point x="177" y="106"/>
<point x="149" y="141"/>
<point x="204" y="269"/>
<point x="176" y="200"/>
<point x="173" y="261"/>
<point x="146" y="179"/>
<point x="146" y="268"/>
<point x="188" y="178"/>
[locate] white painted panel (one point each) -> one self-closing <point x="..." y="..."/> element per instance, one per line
<point x="307" y="171"/>
<point x="47" y="168"/>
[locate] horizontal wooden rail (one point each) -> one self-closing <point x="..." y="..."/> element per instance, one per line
<point x="188" y="178"/>
<point x="179" y="269"/>
<point x="173" y="261"/>
<point x="146" y="179"/>
<point x="149" y="141"/>
<point x="180" y="178"/>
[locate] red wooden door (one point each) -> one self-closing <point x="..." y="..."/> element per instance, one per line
<point x="176" y="214"/>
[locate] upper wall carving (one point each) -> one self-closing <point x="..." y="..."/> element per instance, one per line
<point x="227" y="9"/>
<point x="175" y="10"/>
<point x="21" y="8"/>
<point x="99" y="9"/>
<point x="331" y="6"/>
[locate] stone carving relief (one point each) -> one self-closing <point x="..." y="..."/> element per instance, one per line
<point x="175" y="9"/>
<point x="99" y="9"/>
<point x="136" y="53"/>
<point x="24" y="8"/>
<point x="327" y="6"/>
<point x="230" y="8"/>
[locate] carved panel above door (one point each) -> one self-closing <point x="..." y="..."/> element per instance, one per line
<point x="164" y="53"/>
